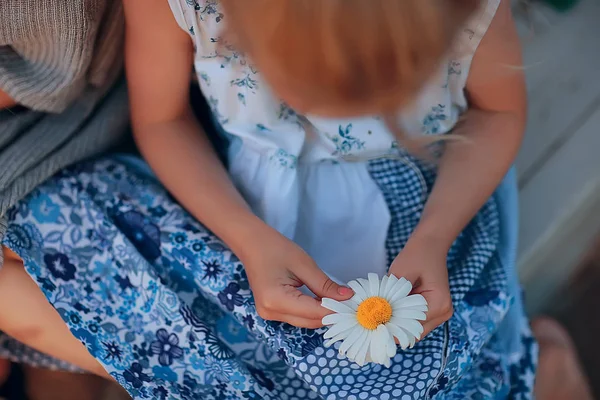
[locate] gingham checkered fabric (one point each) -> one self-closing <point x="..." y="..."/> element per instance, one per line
<point x="406" y="184"/>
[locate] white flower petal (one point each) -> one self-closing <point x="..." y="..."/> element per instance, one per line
<point x="379" y="344"/>
<point x="352" y="303"/>
<point x="337" y="336"/>
<point x="365" y="284"/>
<point x="400" y="290"/>
<point x="399" y="283"/>
<point x="382" y="285"/>
<point x="409" y="325"/>
<point x="359" y="292"/>
<point x="388" y="362"/>
<point x="345" y="334"/>
<point x="413" y="300"/>
<point x="410" y="314"/>
<point x="361" y="357"/>
<point x="399" y="334"/>
<point x="338" y="328"/>
<point x="391" y="347"/>
<point x="374" y="284"/>
<point x="359" y="344"/>
<point x="422" y="308"/>
<point x="354" y="337"/>
<point x="374" y="349"/>
<point x="336" y="306"/>
<point x="340" y="336"/>
<point x="337" y="318"/>
<point x="385" y="291"/>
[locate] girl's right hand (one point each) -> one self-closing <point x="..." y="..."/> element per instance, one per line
<point x="277" y="268"/>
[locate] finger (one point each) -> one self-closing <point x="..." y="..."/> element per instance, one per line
<point x="294" y="303"/>
<point x="321" y="285"/>
<point x="307" y="307"/>
<point x="296" y="321"/>
<point x="440" y="311"/>
<point x="439" y="302"/>
<point x="299" y="322"/>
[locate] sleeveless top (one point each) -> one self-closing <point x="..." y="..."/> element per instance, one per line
<point x="313" y="185"/>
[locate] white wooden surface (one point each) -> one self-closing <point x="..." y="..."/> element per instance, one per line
<point x="559" y="165"/>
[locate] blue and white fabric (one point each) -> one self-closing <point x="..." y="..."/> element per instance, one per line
<point x="166" y="307"/>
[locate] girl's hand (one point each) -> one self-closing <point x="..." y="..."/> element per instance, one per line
<point x="276" y="269"/>
<point x="423" y="263"/>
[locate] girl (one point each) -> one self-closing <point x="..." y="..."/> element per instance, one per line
<point x="318" y="173"/>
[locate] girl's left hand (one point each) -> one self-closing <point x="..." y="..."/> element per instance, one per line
<point x="423" y="263"/>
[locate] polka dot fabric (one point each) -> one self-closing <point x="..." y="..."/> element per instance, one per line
<point x="336" y="378"/>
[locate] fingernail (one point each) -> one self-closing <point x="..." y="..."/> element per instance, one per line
<point x="344" y="291"/>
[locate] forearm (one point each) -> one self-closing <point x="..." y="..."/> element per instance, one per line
<point x="183" y="158"/>
<point x="469" y="172"/>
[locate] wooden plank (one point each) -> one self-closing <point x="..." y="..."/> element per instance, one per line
<point x="563" y="66"/>
<point x="560" y="214"/>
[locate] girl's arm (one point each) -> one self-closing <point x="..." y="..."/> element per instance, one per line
<point x="159" y="59"/>
<point x="470" y="170"/>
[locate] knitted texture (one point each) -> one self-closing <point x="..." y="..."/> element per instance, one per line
<point x="59" y="59"/>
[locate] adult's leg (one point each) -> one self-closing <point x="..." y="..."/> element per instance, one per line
<point x="560" y="375"/>
<point x="28" y="317"/>
<point x="44" y="384"/>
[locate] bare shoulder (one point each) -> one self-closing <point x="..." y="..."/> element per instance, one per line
<point x="153" y="17"/>
<point x="158" y="59"/>
<point x="501" y="35"/>
<point x="496" y="79"/>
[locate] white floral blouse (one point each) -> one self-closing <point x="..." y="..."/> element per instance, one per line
<point x="315" y="187"/>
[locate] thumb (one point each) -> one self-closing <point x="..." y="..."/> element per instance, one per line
<point x="321" y="285"/>
<point x="439" y="301"/>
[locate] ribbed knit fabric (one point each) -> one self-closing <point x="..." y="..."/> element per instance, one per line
<point x="61" y="60"/>
<point x="50" y="51"/>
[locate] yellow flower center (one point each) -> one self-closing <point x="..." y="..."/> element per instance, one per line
<point x="373" y="312"/>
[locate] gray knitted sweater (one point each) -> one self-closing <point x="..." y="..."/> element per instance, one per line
<point x="60" y="60"/>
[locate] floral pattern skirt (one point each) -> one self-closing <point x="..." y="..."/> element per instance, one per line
<point x="166" y="308"/>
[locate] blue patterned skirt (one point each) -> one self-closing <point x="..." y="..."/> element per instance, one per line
<point x="166" y="308"/>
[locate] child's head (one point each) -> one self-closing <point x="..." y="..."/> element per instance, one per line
<point x="341" y="58"/>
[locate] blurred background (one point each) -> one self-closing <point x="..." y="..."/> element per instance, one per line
<point x="559" y="180"/>
<point x="559" y="169"/>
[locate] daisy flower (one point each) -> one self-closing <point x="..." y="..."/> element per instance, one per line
<point x="380" y="312"/>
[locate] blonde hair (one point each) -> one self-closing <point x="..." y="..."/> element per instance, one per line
<point x="364" y="56"/>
